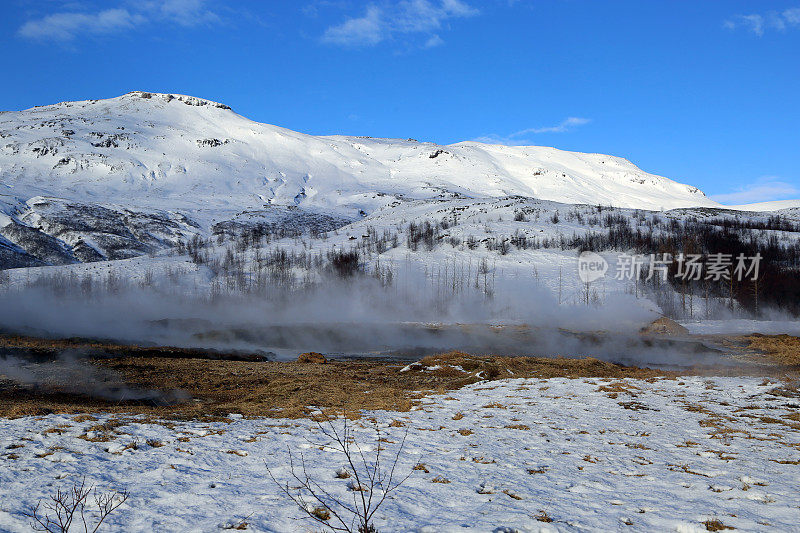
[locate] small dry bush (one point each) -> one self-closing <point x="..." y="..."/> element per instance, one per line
<point x="373" y="480"/>
<point x="80" y="507"/>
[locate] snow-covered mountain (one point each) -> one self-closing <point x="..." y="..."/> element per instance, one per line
<point x="180" y="152"/>
<point x="118" y="178"/>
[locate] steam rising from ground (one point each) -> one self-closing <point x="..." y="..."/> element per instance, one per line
<point x="71" y="373"/>
<point x="147" y="314"/>
<point x="351" y="316"/>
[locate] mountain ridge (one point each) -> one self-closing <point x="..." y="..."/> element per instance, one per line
<point x="148" y="148"/>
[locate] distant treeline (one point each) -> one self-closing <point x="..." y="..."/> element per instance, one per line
<point x="778" y="283"/>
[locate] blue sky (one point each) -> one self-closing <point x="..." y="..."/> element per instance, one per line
<point x="707" y="93"/>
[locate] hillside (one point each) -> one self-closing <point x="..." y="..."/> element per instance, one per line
<point x="181" y="152"/>
<point x="137" y="174"/>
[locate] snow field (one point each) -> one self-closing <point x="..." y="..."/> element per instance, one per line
<point x="588" y="454"/>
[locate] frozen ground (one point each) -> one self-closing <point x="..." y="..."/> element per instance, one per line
<point x="590" y="454"/>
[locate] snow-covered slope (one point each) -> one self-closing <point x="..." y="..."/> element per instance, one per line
<point x="776" y="205"/>
<point x="180" y="152"/>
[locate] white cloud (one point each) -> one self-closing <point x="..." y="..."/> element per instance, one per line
<point x="764" y="189"/>
<point x="183" y="12"/>
<point x="68" y="25"/>
<point x="65" y="26"/>
<point x="758" y="24"/>
<point x="518" y="137"/>
<point x="434" y="40"/>
<point x="792" y="16"/>
<point x="565" y="125"/>
<point x="366" y="30"/>
<point x="382" y="22"/>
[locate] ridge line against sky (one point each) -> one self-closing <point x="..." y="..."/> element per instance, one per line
<point x="713" y="105"/>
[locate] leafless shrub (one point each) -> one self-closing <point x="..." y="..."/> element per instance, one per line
<point x="60" y="512"/>
<point x="373" y="480"/>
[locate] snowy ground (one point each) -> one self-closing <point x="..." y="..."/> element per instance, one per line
<point x="743" y="327"/>
<point x="591" y="454"/>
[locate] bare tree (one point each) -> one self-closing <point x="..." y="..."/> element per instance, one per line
<point x="373" y="481"/>
<point x="60" y="512"/>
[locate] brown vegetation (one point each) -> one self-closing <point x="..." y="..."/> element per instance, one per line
<point x="778" y="349"/>
<point x="664" y="326"/>
<point x="216" y="384"/>
<point x="311" y="357"/>
<point x="217" y="387"/>
<point x="715" y="525"/>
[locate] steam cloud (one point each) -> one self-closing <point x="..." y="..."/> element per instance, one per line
<point x="351" y="317"/>
<point x="71" y="373"/>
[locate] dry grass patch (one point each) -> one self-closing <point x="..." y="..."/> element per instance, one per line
<point x="635" y="406"/>
<point x="722" y="455"/>
<point x="778" y="349"/>
<point x="614" y="389"/>
<point x="696" y="408"/>
<point x="321" y="513"/>
<point x="109" y="425"/>
<point x="237" y="453"/>
<point x="217" y="384"/>
<point x="785" y="462"/>
<point x="498" y="367"/>
<point x="715" y="525"/>
<point x="685" y="468"/>
<point x="101" y="437"/>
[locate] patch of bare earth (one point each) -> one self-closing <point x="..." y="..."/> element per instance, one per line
<point x="216" y="387"/>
